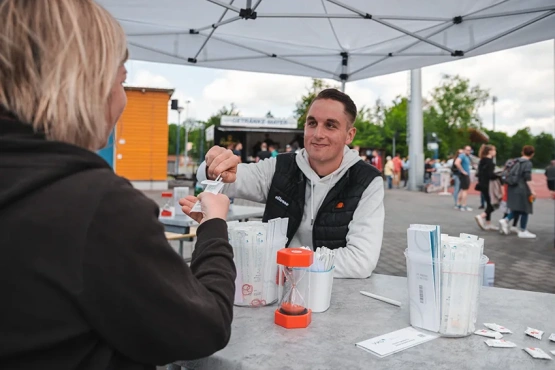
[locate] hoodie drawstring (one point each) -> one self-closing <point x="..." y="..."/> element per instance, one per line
<point x="312" y="186"/>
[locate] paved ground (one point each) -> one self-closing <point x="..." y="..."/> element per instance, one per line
<point x="519" y="264"/>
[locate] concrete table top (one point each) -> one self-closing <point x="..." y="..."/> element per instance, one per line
<point x="329" y="342"/>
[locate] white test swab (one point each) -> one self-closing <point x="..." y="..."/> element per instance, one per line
<point x="380" y="298"/>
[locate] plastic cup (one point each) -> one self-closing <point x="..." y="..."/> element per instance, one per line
<point x="321" y="283"/>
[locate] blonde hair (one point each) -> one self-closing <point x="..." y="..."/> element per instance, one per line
<point x="58" y="63"/>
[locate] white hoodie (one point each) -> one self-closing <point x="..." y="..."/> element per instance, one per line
<point x="364" y="239"/>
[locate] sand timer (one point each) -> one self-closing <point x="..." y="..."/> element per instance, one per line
<point x="294" y="264"/>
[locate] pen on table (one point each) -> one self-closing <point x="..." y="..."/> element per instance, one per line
<point x="380" y="298"/>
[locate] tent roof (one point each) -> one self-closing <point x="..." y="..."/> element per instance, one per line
<point x="339" y="39"/>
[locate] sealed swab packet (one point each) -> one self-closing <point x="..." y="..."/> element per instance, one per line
<point x="552" y="337"/>
<point x="499" y="343"/>
<point x="497" y="328"/>
<point x="537" y="353"/>
<point x="213" y="187"/>
<point x="534" y="333"/>
<point x="489" y="333"/>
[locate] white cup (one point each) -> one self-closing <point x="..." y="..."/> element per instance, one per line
<point x="321" y="283"/>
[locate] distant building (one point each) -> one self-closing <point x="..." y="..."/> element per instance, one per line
<point x="138" y="147"/>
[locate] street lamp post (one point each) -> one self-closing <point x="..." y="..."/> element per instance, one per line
<point x="186" y="159"/>
<point x="179" y="110"/>
<point x="493" y="101"/>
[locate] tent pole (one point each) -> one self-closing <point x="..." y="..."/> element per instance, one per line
<point x="416" y="143"/>
<point x="342" y="85"/>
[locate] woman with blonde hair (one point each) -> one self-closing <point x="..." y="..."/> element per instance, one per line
<point x="89" y="280"/>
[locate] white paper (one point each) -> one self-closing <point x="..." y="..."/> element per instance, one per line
<point x="489" y="333"/>
<point x="552" y="337"/>
<point x="500" y="343"/>
<point x="394" y="342"/>
<point x="497" y="328"/>
<point x="537" y="353"/>
<point x="213" y="187"/>
<point x="552" y="352"/>
<point x="534" y="333"/>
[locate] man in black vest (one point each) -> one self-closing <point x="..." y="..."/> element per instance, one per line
<point x="331" y="197"/>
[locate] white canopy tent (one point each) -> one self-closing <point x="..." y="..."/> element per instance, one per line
<point x="344" y="40"/>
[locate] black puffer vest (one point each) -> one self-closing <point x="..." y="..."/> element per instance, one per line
<point x="286" y="198"/>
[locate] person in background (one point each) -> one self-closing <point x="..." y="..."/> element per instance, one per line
<point x="482" y="199"/>
<point x="389" y="171"/>
<point x="288" y="148"/>
<point x="397" y="170"/>
<point x="237" y="149"/>
<point x="406" y="167"/>
<point x="263" y="153"/>
<point x="429" y="168"/>
<point x="89" y="278"/>
<point x="550" y="174"/>
<point x="486" y="171"/>
<point x="376" y="160"/>
<point x="456" y="179"/>
<point x="506" y="211"/>
<point x="273" y="151"/>
<point x="521" y="196"/>
<point x="463" y="166"/>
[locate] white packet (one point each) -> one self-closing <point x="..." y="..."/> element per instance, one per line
<point x="489" y="333"/>
<point x="552" y="352"/>
<point x="534" y="333"/>
<point x="537" y="353"/>
<point x="499" y="343"/>
<point x="552" y="337"/>
<point x="213" y="187"/>
<point x="497" y="328"/>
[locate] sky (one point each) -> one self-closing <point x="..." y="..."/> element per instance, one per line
<point x="522" y="79"/>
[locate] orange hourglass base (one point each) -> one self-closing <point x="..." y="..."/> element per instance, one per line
<point x="293" y="321"/>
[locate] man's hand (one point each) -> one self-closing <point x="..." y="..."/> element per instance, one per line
<point x="212" y="206"/>
<point x="220" y="161"/>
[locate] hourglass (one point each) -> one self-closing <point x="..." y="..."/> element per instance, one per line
<point x="294" y="264"/>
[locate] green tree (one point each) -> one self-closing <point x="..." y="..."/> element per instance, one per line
<point x="269" y="114"/>
<point x="502" y="143"/>
<point x="368" y="134"/>
<point x="223" y="111"/>
<point x="545" y="146"/>
<point x="395" y="125"/>
<point x="520" y="138"/>
<point x="304" y="103"/>
<point x="456" y="103"/>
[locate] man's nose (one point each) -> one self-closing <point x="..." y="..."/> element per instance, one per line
<point x="319" y="132"/>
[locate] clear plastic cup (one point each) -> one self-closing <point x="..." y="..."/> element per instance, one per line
<point x="458" y="291"/>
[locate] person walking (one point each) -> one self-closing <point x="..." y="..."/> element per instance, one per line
<point x="456" y="179"/>
<point x="550" y="174"/>
<point x="463" y="165"/>
<point x="389" y="171"/>
<point x="486" y="174"/>
<point x="520" y="195"/>
<point x="397" y="170"/>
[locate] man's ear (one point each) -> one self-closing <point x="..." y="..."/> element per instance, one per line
<point x="350" y="135"/>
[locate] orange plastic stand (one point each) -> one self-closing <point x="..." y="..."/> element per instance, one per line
<point x="293" y="321"/>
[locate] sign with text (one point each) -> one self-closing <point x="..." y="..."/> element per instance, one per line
<point x="258" y="122"/>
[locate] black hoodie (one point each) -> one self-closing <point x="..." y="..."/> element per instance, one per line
<point x="87" y="277"/>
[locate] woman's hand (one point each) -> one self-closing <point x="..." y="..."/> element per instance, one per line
<point x="212" y="206"/>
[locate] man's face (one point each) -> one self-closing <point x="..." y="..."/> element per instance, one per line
<point x="327" y="131"/>
<point x="467" y="150"/>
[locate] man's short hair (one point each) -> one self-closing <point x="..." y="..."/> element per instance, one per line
<point x="528" y="150"/>
<point x="348" y="103"/>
